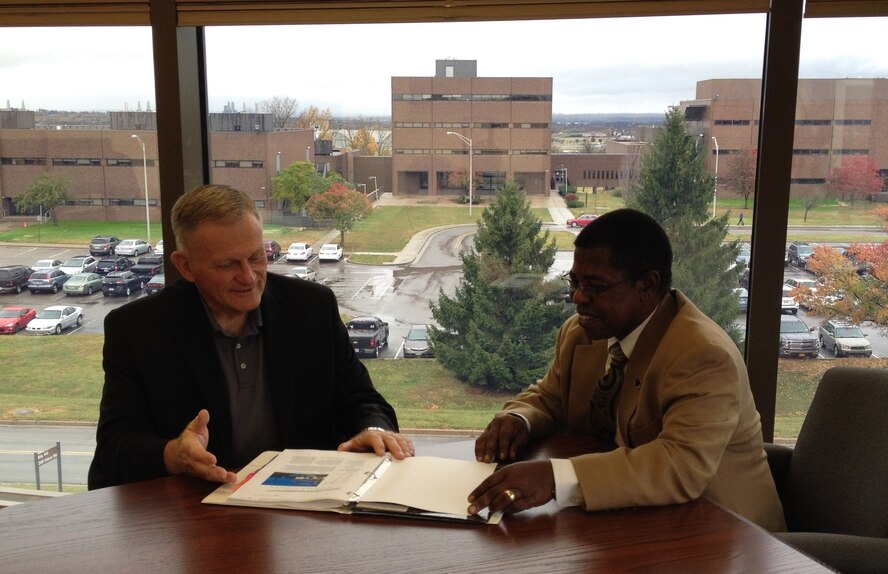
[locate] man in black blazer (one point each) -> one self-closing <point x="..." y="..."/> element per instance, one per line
<point x="242" y="360"/>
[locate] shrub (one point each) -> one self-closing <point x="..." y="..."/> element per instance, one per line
<point x="575" y="203"/>
<point x="570" y="197"/>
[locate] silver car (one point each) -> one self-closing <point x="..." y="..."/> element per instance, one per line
<point x="83" y="284"/>
<point x="844" y="339"/>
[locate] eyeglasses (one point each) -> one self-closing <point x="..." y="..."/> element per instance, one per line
<point x="590" y="290"/>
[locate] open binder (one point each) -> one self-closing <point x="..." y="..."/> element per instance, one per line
<point x="349" y="483"/>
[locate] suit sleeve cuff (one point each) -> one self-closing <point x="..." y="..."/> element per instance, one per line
<point x="567" y="485"/>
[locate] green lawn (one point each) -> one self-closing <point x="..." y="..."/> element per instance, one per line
<point x="425" y="395"/>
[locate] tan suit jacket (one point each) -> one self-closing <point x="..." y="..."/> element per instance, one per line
<point x="687" y="425"/>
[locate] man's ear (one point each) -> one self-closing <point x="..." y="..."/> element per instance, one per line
<point x="183" y="264"/>
<point x="650" y="280"/>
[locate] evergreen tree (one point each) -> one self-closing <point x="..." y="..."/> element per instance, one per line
<point x="498" y="330"/>
<point x="675" y="189"/>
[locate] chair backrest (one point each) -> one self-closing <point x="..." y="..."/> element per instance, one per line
<point x="838" y="478"/>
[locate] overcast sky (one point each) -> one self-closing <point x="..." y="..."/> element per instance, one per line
<point x="597" y="66"/>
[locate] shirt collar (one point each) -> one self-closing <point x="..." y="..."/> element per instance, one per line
<point x="627" y="343"/>
<point x="254" y="322"/>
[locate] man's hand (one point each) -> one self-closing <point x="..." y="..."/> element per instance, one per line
<point x="188" y="453"/>
<point x="517" y="487"/>
<point x="502" y="439"/>
<point x="379" y="441"/>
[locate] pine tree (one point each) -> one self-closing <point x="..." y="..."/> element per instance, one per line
<point x="498" y="330"/>
<point x="675" y="189"/>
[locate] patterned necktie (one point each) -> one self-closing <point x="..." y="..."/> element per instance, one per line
<point x="603" y="406"/>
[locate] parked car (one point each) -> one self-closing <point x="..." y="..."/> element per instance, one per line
<point x="844" y="339"/>
<point x="52" y="281"/>
<point x="802" y="290"/>
<point x="742" y="299"/>
<point x="46" y="265"/>
<point x="417" y="342"/>
<point x="368" y="335"/>
<point x="14" y="319"/>
<point x="114" y="263"/>
<point x="299" y="252"/>
<point x="155" y="284"/>
<point x="55" y="319"/>
<point x="103" y="245"/>
<point x="158" y="248"/>
<point x="272" y="250"/>
<point x="122" y="283"/>
<point x="788" y="304"/>
<point x="14" y="277"/>
<point x="132" y="247"/>
<point x="302" y="272"/>
<point x="79" y="264"/>
<point x="797" y="339"/>
<point x="799" y="251"/>
<point x="743" y="255"/>
<point x="582" y="220"/>
<point x="83" y="284"/>
<point x="148" y="266"/>
<point x="330" y="252"/>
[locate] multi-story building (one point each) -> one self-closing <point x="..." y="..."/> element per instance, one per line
<point x="835" y="118"/>
<point x="507" y="123"/>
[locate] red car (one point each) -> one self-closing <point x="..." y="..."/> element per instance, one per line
<point x="582" y="220"/>
<point x="272" y="250"/>
<point x="14" y="319"/>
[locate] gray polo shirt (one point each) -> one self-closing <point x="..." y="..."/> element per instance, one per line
<point x="249" y="396"/>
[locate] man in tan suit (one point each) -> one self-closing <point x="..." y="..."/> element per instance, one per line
<point x="672" y="394"/>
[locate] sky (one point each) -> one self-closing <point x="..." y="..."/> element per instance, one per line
<point x="631" y="65"/>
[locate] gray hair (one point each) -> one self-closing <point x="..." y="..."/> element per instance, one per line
<point x="216" y="203"/>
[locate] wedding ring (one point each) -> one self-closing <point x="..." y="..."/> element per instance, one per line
<point x="508" y="492"/>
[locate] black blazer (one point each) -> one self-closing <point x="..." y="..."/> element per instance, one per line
<point x="161" y="368"/>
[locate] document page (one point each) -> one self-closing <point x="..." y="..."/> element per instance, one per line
<point x="429" y="483"/>
<point x="309" y="478"/>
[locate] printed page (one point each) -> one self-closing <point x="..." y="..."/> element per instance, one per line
<point x="308" y="479"/>
<point x="428" y="483"/>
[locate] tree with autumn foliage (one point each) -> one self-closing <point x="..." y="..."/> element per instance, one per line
<point x="740" y="174"/>
<point x="459" y="179"/>
<point x="852" y="283"/>
<point x="342" y="205"/>
<point x="316" y="119"/>
<point x="361" y="140"/>
<point x="856" y="175"/>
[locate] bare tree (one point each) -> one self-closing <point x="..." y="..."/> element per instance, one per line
<point x="740" y="176"/>
<point x="282" y="109"/>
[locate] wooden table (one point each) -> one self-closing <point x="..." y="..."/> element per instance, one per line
<point x="161" y="526"/>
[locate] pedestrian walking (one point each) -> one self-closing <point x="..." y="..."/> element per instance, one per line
<point x="740" y="222"/>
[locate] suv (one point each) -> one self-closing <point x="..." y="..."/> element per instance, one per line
<point x="103" y="245"/>
<point x="796" y="339"/>
<point x="799" y="252"/>
<point x="14" y="277"/>
<point x="844" y="339"/>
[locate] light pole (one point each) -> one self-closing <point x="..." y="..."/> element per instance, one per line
<point x="145" y="170"/>
<point x="362" y="185"/>
<point x="375" y="185"/>
<point x="308" y="153"/>
<point x="715" y="189"/>
<point x="468" y="142"/>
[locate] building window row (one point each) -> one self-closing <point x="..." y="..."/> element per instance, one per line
<point x="733" y="122"/>
<point x="22" y="161"/>
<point x="530" y="152"/>
<point x="467" y="125"/>
<point x="810" y="152"/>
<point x="119" y="162"/>
<point x="111" y="201"/>
<point x="851" y="151"/>
<point x="807" y="181"/>
<point x="472" y="97"/>
<point x="413" y="125"/>
<point x="248" y="163"/>
<point x="78" y="161"/>
<point x="412" y="151"/>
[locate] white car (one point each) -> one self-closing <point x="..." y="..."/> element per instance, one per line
<point x="306" y="273"/>
<point x="132" y="247"/>
<point x="158" y="248"/>
<point x="330" y="252"/>
<point x="299" y="252"/>
<point x="46" y="265"/>
<point x="80" y="264"/>
<point x="55" y="319"/>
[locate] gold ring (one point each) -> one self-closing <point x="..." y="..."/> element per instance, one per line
<point x="508" y="492"/>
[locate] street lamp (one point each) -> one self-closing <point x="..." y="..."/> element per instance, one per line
<point x="145" y="170"/>
<point x="715" y="189"/>
<point x="468" y="142"/>
<point x="363" y="185"/>
<point x="375" y="185"/>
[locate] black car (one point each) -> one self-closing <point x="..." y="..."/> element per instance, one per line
<point x="14" y="277"/>
<point x="122" y="283"/>
<point x="103" y="245"/>
<point x="115" y="263"/>
<point x="148" y="266"/>
<point x="50" y="281"/>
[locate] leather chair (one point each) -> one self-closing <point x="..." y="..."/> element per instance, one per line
<point x="834" y="483"/>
